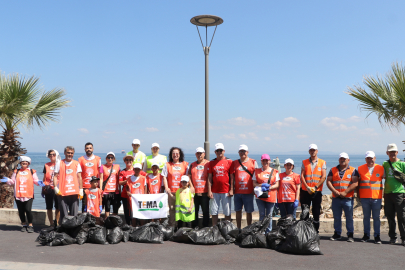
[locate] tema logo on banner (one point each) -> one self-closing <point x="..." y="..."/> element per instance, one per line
<point x="149" y="206"/>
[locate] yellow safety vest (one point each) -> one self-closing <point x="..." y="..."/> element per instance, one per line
<point x="160" y="159"/>
<point x="139" y="157"/>
<point x="183" y="202"/>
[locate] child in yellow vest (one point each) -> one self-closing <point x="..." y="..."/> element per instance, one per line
<point x="184" y="203"/>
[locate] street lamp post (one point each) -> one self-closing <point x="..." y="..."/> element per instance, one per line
<point x="206" y="20"/>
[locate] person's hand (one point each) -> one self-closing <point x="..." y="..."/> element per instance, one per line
<point x="41" y="183"/>
<point x="211" y="196"/>
<point x="265" y="189"/>
<point x="81" y="194"/>
<point x="57" y="191"/>
<point x="296" y="203"/>
<point x="85" y="209"/>
<point x="337" y="193"/>
<point x="343" y="194"/>
<point x="190" y="209"/>
<point x="129" y="194"/>
<point x="230" y="194"/>
<point x="101" y="208"/>
<point x="265" y="185"/>
<point x="311" y="190"/>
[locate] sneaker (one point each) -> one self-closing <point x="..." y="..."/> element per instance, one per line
<point x="393" y="241"/>
<point x="24" y="228"/>
<point x="335" y="237"/>
<point x="377" y="239"/>
<point x="30" y="229"/>
<point x="365" y="238"/>
<point x="350" y="237"/>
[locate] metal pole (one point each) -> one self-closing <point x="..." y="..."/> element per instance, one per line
<point x="206" y="143"/>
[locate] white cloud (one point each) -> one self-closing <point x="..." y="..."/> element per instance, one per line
<point x="179" y="123"/>
<point x="83" y="130"/>
<point x="267" y="138"/>
<point x="230" y="136"/>
<point x="302" y="136"/>
<point x="249" y="135"/>
<point x="286" y="122"/>
<point x="336" y="123"/>
<point x="241" y="121"/>
<point x="151" y="129"/>
<point x="243" y="136"/>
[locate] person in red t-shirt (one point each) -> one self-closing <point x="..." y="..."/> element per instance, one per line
<point x="242" y="172"/>
<point x="197" y="171"/>
<point x="220" y="188"/>
<point x="289" y="190"/>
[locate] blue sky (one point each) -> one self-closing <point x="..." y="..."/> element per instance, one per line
<point x="135" y="69"/>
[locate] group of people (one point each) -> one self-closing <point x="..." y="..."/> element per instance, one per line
<point x="208" y="184"/>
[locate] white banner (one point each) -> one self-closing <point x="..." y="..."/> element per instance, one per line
<point x="149" y="206"/>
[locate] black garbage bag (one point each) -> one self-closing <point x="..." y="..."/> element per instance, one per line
<point x="148" y="233"/>
<point x="97" y="235"/>
<point x="274" y="238"/>
<point x="284" y="223"/>
<point x="126" y="227"/>
<point x="181" y="236"/>
<point x="46" y="236"/>
<point x="82" y="236"/>
<point x="226" y="227"/>
<point x="79" y="233"/>
<point x="254" y="240"/>
<point x="70" y="222"/>
<point x="167" y="230"/>
<point x="125" y="236"/>
<point x="207" y="236"/>
<point x="90" y="220"/>
<point x="113" y="221"/>
<point x="301" y="238"/>
<point x="62" y="239"/>
<point x="114" y="236"/>
<point x="258" y="226"/>
<point x="304" y="212"/>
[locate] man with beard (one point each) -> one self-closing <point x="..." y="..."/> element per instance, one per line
<point x="90" y="165"/>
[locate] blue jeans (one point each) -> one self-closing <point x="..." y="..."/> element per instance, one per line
<point x="265" y="209"/>
<point x="371" y="206"/>
<point x="287" y="208"/>
<point x="345" y="204"/>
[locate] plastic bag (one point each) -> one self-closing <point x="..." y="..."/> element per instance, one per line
<point x="90" y="220"/>
<point x="79" y="233"/>
<point x="274" y="239"/>
<point x="125" y="236"/>
<point x="69" y="222"/>
<point x="62" y="239"/>
<point x="114" y="236"/>
<point x="225" y="227"/>
<point x="46" y="236"/>
<point x="167" y="230"/>
<point x="97" y="235"/>
<point x="149" y="233"/>
<point x="254" y="240"/>
<point x="113" y="221"/>
<point x="181" y="236"/>
<point x="207" y="236"/>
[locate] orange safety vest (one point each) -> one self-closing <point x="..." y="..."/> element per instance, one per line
<point x="154" y="183"/>
<point x="138" y="186"/>
<point x="174" y="174"/>
<point x="93" y="201"/>
<point x="111" y="185"/>
<point x="89" y="168"/>
<point x="49" y="172"/>
<point x="371" y="186"/>
<point x="68" y="182"/>
<point x="263" y="177"/>
<point x="313" y="177"/>
<point x="342" y="184"/>
<point x="24" y="183"/>
<point x="199" y="176"/>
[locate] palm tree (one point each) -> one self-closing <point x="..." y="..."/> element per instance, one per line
<point x="385" y="97"/>
<point x="23" y="103"/>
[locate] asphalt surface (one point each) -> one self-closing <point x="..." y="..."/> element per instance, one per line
<point x="21" y="247"/>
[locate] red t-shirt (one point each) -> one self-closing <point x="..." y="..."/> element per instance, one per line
<point x="220" y="175"/>
<point x="243" y="181"/>
<point x="288" y="187"/>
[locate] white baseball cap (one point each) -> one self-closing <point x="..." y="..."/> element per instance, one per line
<point x="185" y="178"/>
<point x="138" y="165"/>
<point x="344" y="155"/>
<point x="313" y="146"/>
<point x="392" y="147"/>
<point x="289" y="160"/>
<point x="155" y="164"/>
<point x="200" y="150"/>
<point x="243" y="147"/>
<point x="136" y="141"/>
<point x="25" y="158"/>
<point x="110" y="153"/>
<point x="219" y="146"/>
<point x="155" y="144"/>
<point x="370" y="154"/>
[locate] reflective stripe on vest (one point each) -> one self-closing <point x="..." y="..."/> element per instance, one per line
<point x="181" y="207"/>
<point x="161" y="160"/>
<point x="371" y="186"/>
<point x="140" y="156"/>
<point x="342" y="184"/>
<point x="313" y="177"/>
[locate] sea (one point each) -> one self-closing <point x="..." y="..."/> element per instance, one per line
<point x="39" y="159"/>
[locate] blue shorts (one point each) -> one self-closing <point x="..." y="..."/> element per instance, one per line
<point x="243" y="200"/>
<point x="226" y="204"/>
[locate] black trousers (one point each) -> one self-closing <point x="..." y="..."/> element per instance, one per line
<point x="24" y="208"/>
<point x="394" y="203"/>
<point x="204" y="202"/>
<point x="84" y="200"/>
<point x="314" y="199"/>
<point x="127" y="210"/>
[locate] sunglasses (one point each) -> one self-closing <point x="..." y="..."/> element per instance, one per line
<point x="52" y="155"/>
<point x="219" y="150"/>
<point x="128" y="159"/>
<point x="110" y="157"/>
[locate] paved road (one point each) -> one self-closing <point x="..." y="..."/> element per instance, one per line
<point x="20" y="247"/>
